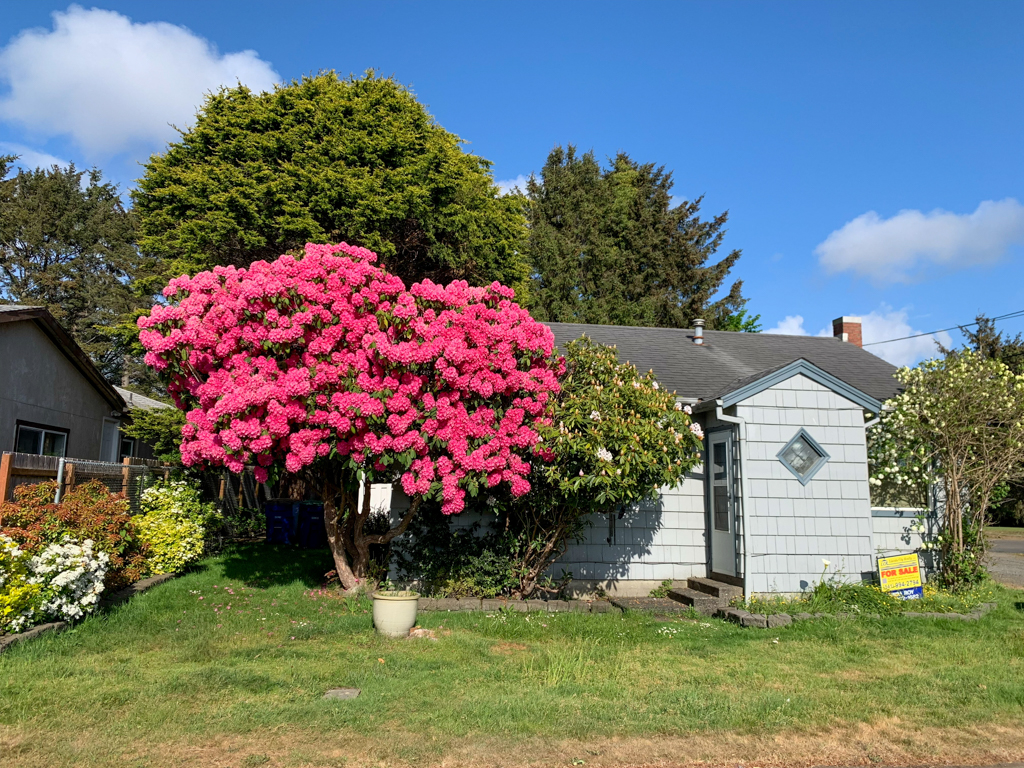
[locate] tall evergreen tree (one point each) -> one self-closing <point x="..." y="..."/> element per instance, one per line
<point x="608" y="247"/>
<point x="323" y="159"/>
<point x="67" y="243"/>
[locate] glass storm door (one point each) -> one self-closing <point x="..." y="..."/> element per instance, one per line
<point x="721" y="502"/>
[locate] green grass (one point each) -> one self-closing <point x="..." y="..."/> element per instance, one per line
<point x="1004" y="532"/>
<point x="833" y="597"/>
<point x="178" y="672"/>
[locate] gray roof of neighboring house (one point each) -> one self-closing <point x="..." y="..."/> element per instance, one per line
<point x="136" y="400"/>
<point x="12" y="313"/>
<point x="726" y="360"/>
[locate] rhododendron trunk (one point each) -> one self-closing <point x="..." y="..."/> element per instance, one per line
<point x="350" y="544"/>
<point x="326" y="366"/>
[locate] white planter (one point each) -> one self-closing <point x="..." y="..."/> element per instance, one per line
<point x="394" y="613"/>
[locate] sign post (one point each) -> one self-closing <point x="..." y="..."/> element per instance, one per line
<point x="900" y="576"/>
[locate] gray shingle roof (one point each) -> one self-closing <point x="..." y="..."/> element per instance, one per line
<point x="728" y="359"/>
<point x="135" y="400"/>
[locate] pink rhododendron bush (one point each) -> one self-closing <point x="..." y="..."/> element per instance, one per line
<point x="328" y="367"/>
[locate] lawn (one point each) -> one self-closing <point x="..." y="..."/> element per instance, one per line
<point x="1004" y="532"/>
<point x="228" y="664"/>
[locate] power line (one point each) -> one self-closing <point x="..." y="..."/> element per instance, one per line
<point x="1018" y="313"/>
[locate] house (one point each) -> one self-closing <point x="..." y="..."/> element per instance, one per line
<point x="53" y="399"/>
<point x="784" y="484"/>
<point x="131" y="447"/>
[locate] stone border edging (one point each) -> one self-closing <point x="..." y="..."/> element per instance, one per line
<point x="117" y="598"/>
<point x="773" y="620"/>
<point x="452" y="604"/>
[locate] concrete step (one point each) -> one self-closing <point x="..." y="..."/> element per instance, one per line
<point x="714" y="588"/>
<point x="702" y="602"/>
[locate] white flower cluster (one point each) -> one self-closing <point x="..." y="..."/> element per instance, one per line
<point x="595" y="415"/>
<point x="73" y="578"/>
<point x="603" y="454"/>
<point x="696" y="429"/>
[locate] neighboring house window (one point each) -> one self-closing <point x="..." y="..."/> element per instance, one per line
<point x="127" y="447"/>
<point x="803" y="456"/>
<point x="41" y="440"/>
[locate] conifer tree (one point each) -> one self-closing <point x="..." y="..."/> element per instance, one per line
<point x="607" y="246"/>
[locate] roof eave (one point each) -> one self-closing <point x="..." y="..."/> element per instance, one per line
<point x="801" y="366"/>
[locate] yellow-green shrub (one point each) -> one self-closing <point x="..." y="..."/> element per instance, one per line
<point x="174" y="541"/>
<point x="19" y="598"/>
<point x="174" y="526"/>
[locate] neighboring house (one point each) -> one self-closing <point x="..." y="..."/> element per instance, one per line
<point x="53" y="400"/>
<point x="785" y="422"/>
<point x="131" y="447"/>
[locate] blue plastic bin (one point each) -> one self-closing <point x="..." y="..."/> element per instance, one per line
<point x="282" y="520"/>
<point x="311" y="533"/>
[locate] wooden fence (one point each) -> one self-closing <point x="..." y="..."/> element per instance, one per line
<point x="130" y="477"/>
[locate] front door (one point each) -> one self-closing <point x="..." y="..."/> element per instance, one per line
<point x="721" y="502"/>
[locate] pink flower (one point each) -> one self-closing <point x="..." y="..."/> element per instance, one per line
<point x="327" y="355"/>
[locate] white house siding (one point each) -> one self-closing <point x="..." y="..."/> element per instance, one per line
<point x="791" y="527"/>
<point x="893" y="532"/>
<point x="663" y="539"/>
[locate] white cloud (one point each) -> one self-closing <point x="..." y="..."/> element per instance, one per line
<point x="898" y="249"/>
<point x="509" y="185"/>
<point x="881" y="325"/>
<point x="113" y="85"/>
<point x="30" y="159"/>
<point x="793" y="325"/>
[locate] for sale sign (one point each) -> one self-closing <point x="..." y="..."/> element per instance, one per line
<point x="900" y="576"/>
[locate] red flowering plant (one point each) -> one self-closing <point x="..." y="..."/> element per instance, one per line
<point x="326" y="366"/>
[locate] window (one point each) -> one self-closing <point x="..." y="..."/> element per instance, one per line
<point x="41" y="440"/>
<point x="719" y="486"/>
<point x="127" y="447"/>
<point x="803" y="456"/>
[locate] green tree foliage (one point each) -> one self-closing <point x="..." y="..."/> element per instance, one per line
<point x="986" y="340"/>
<point x="328" y="160"/>
<point x="608" y="247"/>
<point x="67" y="243"/>
<point x="742" y="322"/>
<point x="959" y="422"/>
<point x="616" y="438"/>
<point x="159" y="428"/>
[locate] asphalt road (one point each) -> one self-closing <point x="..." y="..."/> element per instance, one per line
<point x="1005" y="561"/>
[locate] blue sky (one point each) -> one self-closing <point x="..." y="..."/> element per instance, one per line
<point x="870" y="154"/>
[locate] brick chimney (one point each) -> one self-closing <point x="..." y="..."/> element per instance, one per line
<point x="848" y="329"/>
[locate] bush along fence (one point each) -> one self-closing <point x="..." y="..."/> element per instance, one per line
<point x="131" y="477"/>
<point x="59" y="559"/>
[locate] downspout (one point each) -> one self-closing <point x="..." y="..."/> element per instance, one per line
<point x="60" y="480"/>
<point x="720" y="415"/>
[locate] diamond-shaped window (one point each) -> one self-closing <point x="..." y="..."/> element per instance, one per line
<point x="803" y="456"/>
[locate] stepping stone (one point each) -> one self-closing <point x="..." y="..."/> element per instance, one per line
<point x="342" y="693"/>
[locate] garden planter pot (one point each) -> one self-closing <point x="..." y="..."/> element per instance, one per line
<point x="394" y="612"/>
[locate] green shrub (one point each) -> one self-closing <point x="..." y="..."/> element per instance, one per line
<point x="88" y="512"/>
<point x="175" y="525"/>
<point x="456" y="563"/>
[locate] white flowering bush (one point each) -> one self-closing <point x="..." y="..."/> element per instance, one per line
<point x="959" y="422"/>
<point x="71" y="579"/>
<point x="175" y="525"/>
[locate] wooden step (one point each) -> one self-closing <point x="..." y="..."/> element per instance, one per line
<point x="714" y="588"/>
<point x="702" y="602"/>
